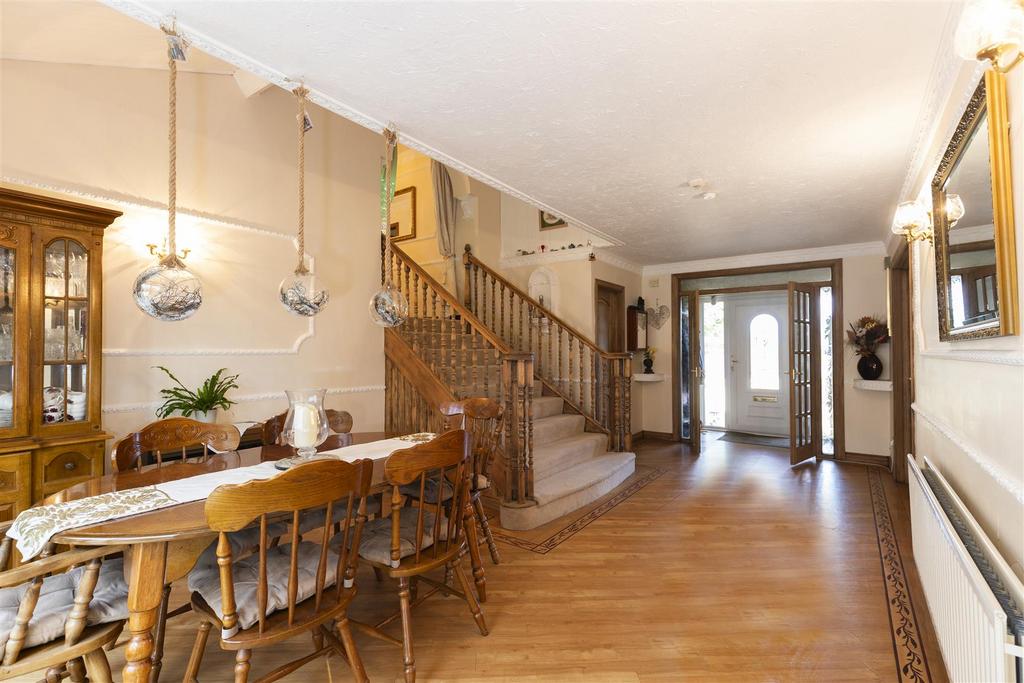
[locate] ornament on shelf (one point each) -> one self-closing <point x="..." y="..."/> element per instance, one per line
<point x="388" y="306"/>
<point x="299" y="291"/>
<point x="168" y="290"/>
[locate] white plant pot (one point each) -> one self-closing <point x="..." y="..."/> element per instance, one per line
<point x="209" y="417"/>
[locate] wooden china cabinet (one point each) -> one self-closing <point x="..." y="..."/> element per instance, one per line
<point x="50" y="346"/>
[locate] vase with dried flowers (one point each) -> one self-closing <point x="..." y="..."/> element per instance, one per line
<point x="649" y="360"/>
<point x="865" y="335"/>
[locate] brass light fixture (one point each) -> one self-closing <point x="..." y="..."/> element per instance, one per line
<point x="914" y="221"/>
<point x="992" y="30"/>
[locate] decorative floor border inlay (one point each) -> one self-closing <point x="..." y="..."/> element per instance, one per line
<point x="911" y="660"/>
<point x="577" y="525"/>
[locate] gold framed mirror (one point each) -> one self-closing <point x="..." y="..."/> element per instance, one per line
<point x="972" y="214"/>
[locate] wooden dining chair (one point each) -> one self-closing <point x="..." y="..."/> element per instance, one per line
<point x="419" y="539"/>
<point x="175" y="435"/>
<point x="286" y="590"/>
<point x="484" y="419"/>
<point x="274" y="447"/>
<point x="58" y="612"/>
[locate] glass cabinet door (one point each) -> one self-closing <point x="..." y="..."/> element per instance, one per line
<point x="9" y="276"/>
<point x="65" y="332"/>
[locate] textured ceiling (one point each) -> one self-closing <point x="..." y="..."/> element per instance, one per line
<point x="801" y="115"/>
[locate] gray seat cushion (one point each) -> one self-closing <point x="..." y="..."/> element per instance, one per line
<point x="57" y="597"/>
<point x="429" y="490"/>
<point x="314" y="519"/>
<point x="375" y="545"/>
<point x="205" y="580"/>
<point x="242" y="542"/>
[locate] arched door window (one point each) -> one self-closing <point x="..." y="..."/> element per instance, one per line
<point x="764" y="352"/>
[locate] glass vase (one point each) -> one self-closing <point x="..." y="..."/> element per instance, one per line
<point x="305" y="425"/>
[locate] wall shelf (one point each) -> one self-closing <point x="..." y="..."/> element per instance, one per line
<point x="873" y="384"/>
<point x="652" y="377"/>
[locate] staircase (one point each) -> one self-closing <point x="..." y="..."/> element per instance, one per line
<point x="566" y="437"/>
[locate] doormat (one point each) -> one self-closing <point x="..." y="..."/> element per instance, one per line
<point x="756" y="439"/>
<point x="546" y="538"/>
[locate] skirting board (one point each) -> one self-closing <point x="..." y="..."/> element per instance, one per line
<point x="659" y="436"/>
<point x="867" y="459"/>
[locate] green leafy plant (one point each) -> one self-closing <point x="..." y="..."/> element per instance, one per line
<point x="211" y="394"/>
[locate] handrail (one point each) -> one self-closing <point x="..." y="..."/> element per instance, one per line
<point x="453" y="301"/>
<point x="468" y="258"/>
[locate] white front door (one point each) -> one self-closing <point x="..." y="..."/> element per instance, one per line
<point x="756" y="347"/>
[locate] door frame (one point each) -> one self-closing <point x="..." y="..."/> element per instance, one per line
<point x="901" y="330"/>
<point x="620" y="315"/>
<point x="838" y="338"/>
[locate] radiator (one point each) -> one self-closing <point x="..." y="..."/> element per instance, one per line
<point x="973" y="596"/>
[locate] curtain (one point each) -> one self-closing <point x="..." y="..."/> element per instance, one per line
<point x="444" y="213"/>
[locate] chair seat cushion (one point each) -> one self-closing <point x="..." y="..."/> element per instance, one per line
<point x="205" y="580"/>
<point x="57" y="597"/>
<point x="314" y="519"/>
<point x="429" y="490"/>
<point x="375" y="545"/>
<point x="242" y="542"/>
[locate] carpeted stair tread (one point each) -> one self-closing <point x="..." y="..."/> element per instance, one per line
<point x="582" y="476"/>
<point x="546" y="406"/>
<point x="554" y="458"/>
<point x="548" y="429"/>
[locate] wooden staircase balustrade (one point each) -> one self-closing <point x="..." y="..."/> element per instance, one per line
<point x="592" y="382"/>
<point x="442" y="353"/>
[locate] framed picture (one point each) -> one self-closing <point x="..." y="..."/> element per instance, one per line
<point x="403" y="214"/>
<point x="549" y="221"/>
<point x="636" y="329"/>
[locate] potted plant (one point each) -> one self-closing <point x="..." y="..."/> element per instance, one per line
<point x="649" y="360"/>
<point x="865" y="335"/>
<point x="200" y="404"/>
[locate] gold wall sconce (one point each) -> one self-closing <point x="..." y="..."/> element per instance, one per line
<point x="914" y="221"/>
<point x="993" y="31"/>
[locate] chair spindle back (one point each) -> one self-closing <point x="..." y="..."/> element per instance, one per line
<point x="484" y="419"/>
<point x="173" y="434"/>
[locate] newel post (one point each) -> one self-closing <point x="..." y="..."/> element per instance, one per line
<point x="517" y="396"/>
<point x="620" y="423"/>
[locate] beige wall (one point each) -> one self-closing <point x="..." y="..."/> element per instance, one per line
<point x="102" y="131"/>
<point x="868" y="421"/>
<point x="970" y="395"/>
<point x="520" y="229"/>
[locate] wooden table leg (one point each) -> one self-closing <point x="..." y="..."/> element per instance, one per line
<point x="145" y="565"/>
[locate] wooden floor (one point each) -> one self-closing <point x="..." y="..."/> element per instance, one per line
<point x="730" y="566"/>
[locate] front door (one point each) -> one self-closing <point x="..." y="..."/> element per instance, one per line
<point x="756" y="343"/>
<point x="804" y="364"/>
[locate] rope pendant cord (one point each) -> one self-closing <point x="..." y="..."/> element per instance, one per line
<point x="387" y="192"/>
<point x="172" y="153"/>
<point x="300" y="95"/>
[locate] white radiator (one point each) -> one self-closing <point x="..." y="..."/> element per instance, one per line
<point x="969" y="619"/>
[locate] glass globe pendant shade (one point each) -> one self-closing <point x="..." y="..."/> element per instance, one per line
<point x="389" y="307"/>
<point x="168" y="291"/>
<point x="300" y="295"/>
<point x="991" y="24"/>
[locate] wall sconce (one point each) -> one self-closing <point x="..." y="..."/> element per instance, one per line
<point x="914" y="221"/>
<point x="992" y="30"/>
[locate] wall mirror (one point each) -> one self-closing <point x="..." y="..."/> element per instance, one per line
<point x="972" y="213"/>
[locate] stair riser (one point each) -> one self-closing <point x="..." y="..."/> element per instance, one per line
<point x="551" y="429"/>
<point x="558" y="457"/>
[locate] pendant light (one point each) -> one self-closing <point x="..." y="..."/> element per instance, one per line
<point x="168" y="290"/>
<point x="298" y="291"/>
<point x="388" y="307"/>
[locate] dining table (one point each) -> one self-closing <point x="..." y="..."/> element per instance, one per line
<point x="165" y="542"/>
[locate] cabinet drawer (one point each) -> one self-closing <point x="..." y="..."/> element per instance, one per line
<point x="58" y="467"/>
<point x="15" y="484"/>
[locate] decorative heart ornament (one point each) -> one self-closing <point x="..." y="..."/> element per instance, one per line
<point x="658" y="317"/>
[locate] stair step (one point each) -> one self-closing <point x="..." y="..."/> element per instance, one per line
<point x="571" y="490"/>
<point x="546" y="406"/>
<point x="548" y="429"/>
<point x="554" y="458"/>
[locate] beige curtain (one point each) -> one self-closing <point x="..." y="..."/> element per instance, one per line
<point x="444" y="212"/>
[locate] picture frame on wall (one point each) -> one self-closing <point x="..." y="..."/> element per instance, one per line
<point x="549" y="221"/>
<point x="403" y="214"/>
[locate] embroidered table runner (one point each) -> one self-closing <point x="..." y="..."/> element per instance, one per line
<point x="34" y="527"/>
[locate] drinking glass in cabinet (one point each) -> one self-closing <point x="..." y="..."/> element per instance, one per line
<point x="78" y="270"/>
<point x="56" y="261"/>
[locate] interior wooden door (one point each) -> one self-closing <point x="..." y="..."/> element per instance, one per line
<point x="804" y="371"/>
<point x="690" y="371"/>
<point x="609" y="316"/>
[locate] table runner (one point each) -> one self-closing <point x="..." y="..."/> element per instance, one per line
<point x="34" y="527"/>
